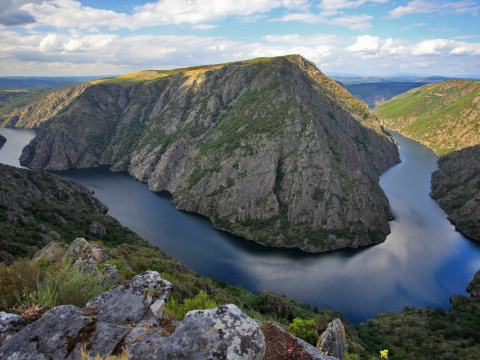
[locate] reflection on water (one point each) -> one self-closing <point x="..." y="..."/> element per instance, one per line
<point x="422" y="263"/>
<point x="16" y="141"/>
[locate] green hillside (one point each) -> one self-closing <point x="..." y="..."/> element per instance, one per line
<point x="444" y="117"/>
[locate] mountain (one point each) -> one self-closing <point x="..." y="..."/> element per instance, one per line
<point x="37" y="82"/>
<point x="270" y="149"/>
<point x="445" y="117"/>
<point x="442" y="116"/>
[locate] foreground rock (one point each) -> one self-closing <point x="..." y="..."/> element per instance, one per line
<point x="333" y="341"/>
<point x="101" y="326"/>
<point x="269" y="149"/>
<point x="132" y="316"/>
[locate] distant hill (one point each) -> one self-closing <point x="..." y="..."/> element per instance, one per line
<point x="20" y="82"/>
<point x="444" y="116"/>
<point x="375" y="91"/>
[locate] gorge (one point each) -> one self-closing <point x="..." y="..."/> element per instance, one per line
<point x="422" y="262"/>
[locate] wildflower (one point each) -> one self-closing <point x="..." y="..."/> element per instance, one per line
<point x="384" y="354"/>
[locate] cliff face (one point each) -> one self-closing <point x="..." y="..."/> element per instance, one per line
<point x="455" y="185"/>
<point x="3" y="140"/>
<point x="269" y="149"/>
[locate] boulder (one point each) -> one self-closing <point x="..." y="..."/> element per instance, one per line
<point x="110" y="274"/>
<point x="144" y="297"/>
<point x="99" y="254"/>
<point x="77" y="248"/>
<point x="333" y="342"/>
<point x="97" y="228"/>
<point x="9" y="325"/>
<point x="53" y="251"/>
<point x="221" y="333"/>
<point x="87" y="265"/>
<point x="61" y="334"/>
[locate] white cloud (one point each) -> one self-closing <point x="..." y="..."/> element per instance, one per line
<point x="355" y="22"/>
<point x="72" y="14"/>
<point x="408" y="27"/>
<point x="439" y="46"/>
<point x="444" y="7"/>
<point x="204" y="26"/>
<point x="343" y="4"/>
<point x="314" y="39"/>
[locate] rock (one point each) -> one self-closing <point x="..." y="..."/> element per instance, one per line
<point x="221" y="333"/>
<point x="110" y="274"/>
<point x="141" y="299"/>
<point x="77" y="248"/>
<point x="9" y="325"/>
<point x="99" y="254"/>
<point x="45" y="239"/>
<point x="333" y="342"/>
<point x="60" y="219"/>
<point x="60" y="334"/>
<point x="97" y="228"/>
<point x="143" y="340"/>
<point x="53" y="251"/>
<point x="280" y="344"/>
<point x="54" y="235"/>
<point x="87" y="265"/>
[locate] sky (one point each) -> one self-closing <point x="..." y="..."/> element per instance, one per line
<point x="354" y="37"/>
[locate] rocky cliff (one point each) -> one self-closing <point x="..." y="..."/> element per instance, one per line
<point x="3" y="140"/>
<point x="270" y="149"/>
<point x="456" y="187"/>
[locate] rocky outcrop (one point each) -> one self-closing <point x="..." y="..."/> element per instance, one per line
<point x="3" y="140"/>
<point x="270" y="149"/>
<point x="455" y="185"/>
<point x="132" y="316"/>
<point x="333" y="341"/>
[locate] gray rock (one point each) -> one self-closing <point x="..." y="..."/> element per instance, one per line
<point x="110" y="274"/>
<point x="143" y="340"/>
<point x="53" y="251"/>
<point x="99" y="254"/>
<point x="333" y="342"/>
<point x="46" y="239"/>
<point x="87" y="265"/>
<point x="97" y="228"/>
<point x="60" y="334"/>
<point x="78" y="247"/>
<point x="142" y="298"/>
<point x="221" y="333"/>
<point x="9" y="325"/>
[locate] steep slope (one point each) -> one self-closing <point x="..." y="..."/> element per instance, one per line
<point x="3" y="140"/>
<point x="456" y="186"/>
<point x="442" y="116"/>
<point x="270" y="149"/>
<point x="446" y="118"/>
<point x="37" y="207"/>
<point x="40" y="108"/>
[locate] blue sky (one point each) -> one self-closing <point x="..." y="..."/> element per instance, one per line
<point x="361" y="37"/>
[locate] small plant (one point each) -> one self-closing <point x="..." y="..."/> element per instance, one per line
<point x="86" y="356"/>
<point x="383" y="354"/>
<point x="28" y="307"/>
<point x="304" y="329"/>
<point x="199" y="302"/>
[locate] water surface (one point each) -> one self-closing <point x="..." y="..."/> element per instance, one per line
<point x="422" y="263"/>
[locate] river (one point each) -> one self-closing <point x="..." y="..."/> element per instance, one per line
<point x="422" y="263"/>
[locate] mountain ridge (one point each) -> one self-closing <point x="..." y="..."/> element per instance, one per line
<point x="269" y="149"/>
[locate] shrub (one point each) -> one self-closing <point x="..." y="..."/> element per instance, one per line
<point x="199" y="302"/>
<point x="304" y="329"/>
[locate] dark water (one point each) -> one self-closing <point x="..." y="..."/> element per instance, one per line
<point x="422" y="263"/>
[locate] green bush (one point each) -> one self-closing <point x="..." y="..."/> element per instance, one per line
<point x="304" y="329"/>
<point x="199" y="302"/>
